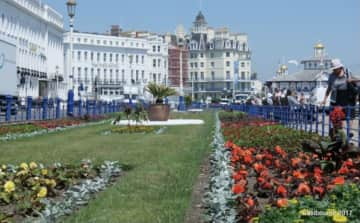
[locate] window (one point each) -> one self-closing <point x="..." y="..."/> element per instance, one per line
<point x="137" y="75"/>
<point x="201" y="55"/>
<point x="98" y="42"/>
<point x="159" y="78"/>
<point x="159" y="62"/>
<point x="98" y="57"/>
<point x="92" y="74"/>
<point x="212" y="75"/>
<point x="228" y="63"/>
<point x="85" y="40"/>
<point x="154" y="77"/>
<point x="79" y="55"/>
<point x="104" y="42"/>
<point x="154" y="48"/>
<point x="196" y="76"/>
<point x="202" y="64"/>
<point x="105" y="75"/>
<point x="195" y="65"/>
<point x="132" y="75"/>
<point x="104" y="57"/>
<point x="227" y="75"/>
<point x="142" y="75"/>
<point x="79" y="40"/>
<point x="122" y="58"/>
<point x="111" y="57"/>
<point x="202" y="75"/>
<point x="123" y="75"/>
<point x="117" y="58"/>
<point x="98" y="73"/>
<point x="111" y="75"/>
<point x="154" y="62"/>
<point x="227" y="54"/>
<point x="142" y="59"/>
<point x="110" y="43"/>
<point x="85" y="56"/>
<point x="137" y="59"/>
<point x="242" y="64"/>
<point x="242" y="75"/>
<point x="212" y="64"/>
<point x="86" y="74"/>
<point x="92" y="56"/>
<point x="158" y="48"/>
<point x="130" y="59"/>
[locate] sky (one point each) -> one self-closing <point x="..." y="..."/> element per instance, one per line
<point x="278" y="30"/>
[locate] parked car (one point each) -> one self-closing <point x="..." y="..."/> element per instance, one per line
<point x="224" y="101"/>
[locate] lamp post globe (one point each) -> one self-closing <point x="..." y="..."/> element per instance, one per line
<point x="71" y="8"/>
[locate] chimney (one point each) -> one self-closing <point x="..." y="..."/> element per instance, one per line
<point x="115" y="30"/>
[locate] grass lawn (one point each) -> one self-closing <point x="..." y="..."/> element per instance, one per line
<point x="157" y="189"/>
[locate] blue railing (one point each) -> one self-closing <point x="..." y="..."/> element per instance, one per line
<point x="309" y="118"/>
<point x="47" y="109"/>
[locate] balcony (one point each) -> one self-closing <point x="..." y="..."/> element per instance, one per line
<point x="223" y="80"/>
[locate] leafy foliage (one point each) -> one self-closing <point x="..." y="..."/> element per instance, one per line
<point x="160" y="92"/>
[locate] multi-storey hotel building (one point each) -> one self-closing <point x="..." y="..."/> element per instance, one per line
<point x="111" y="66"/>
<point x="37" y="31"/>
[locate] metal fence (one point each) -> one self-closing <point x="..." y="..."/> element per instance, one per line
<point x="309" y="118"/>
<point x="48" y="109"/>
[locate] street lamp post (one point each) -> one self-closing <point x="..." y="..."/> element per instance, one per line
<point x="57" y="80"/>
<point x="71" y="8"/>
<point x="181" y="97"/>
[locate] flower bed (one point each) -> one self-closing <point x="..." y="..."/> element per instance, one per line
<point x="18" y="129"/>
<point x="133" y="129"/>
<point x="33" y="190"/>
<point x="273" y="180"/>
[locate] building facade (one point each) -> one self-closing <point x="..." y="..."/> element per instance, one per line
<point x="219" y="61"/>
<point x="178" y="62"/>
<point x="37" y="30"/>
<point x="311" y="80"/>
<point x="117" y="65"/>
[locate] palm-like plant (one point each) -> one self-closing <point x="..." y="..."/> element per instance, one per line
<point x="160" y="92"/>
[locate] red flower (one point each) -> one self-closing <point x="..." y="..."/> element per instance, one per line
<point x="295" y="161"/>
<point x="268" y="163"/>
<point x="338" y="181"/>
<point x="281" y="190"/>
<point x="267" y="185"/>
<point x="343" y="170"/>
<point x="229" y="144"/>
<point x="261" y="180"/>
<point x="303" y="189"/>
<point x="297" y="174"/>
<point x="281" y="203"/>
<point x="349" y="163"/>
<point x="248" y="159"/>
<point x="258" y="167"/>
<point x="259" y="157"/>
<point x="238" y="189"/>
<point x="319" y="190"/>
<point x="250" y="202"/>
<point x="278" y="150"/>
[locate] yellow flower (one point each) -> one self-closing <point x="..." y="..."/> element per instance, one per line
<point x="51" y="183"/>
<point x="44" y="172"/>
<point x="255" y="220"/>
<point x="293" y="201"/>
<point x="22" y="172"/>
<point x="267" y="207"/>
<point x="304" y="212"/>
<point x="338" y="218"/>
<point x="2" y="173"/>
<point x="9" y="186"/>
<point x="33" y="165"/>
<point x="42" y="192"/>
<point x="3" y="167"/>
<point x="24" y="166"/>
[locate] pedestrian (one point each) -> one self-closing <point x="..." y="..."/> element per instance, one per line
<point x="302" y="98"/>
<point x="341" y="88"/>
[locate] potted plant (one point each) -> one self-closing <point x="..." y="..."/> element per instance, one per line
<point x="159" y="111"/>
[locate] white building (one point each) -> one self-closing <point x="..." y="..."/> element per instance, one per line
<point x="218" y="59"/>
<point x="311" y="81"/>
<point x="117" y="65"/>
<point x="37" y="30"/>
